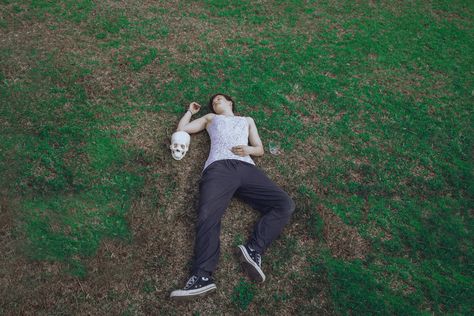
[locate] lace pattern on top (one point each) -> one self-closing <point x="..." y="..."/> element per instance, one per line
<point x="226" y="132"/>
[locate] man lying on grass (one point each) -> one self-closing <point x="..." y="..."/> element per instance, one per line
<point x="230" y="171"/>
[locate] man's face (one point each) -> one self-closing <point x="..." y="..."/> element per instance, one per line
<point x="219" y="103"/>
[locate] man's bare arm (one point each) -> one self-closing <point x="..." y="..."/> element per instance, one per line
<point x="196" y="125"/>
<point x="254" y="139"/>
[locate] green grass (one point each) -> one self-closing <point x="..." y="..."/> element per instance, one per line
<point x="391" y="87"/>
<point x="243" y="294"/>
<point x="72" y="176"/>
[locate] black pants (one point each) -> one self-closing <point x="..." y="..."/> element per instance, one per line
<point x="219" y="182"/>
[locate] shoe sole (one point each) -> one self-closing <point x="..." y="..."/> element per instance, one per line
<point x="249" y="266"/>
<point x="181" y="295"/>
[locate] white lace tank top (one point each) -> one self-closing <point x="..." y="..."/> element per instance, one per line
<point x="226" y="132"/>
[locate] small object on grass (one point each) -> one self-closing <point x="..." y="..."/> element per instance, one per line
<point x="274" y="148"/>
<point x="179" y="144"/>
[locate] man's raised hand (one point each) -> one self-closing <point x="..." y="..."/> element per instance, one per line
<point x="194" y="107"/>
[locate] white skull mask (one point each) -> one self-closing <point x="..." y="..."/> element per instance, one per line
<point x="179" y="144"/>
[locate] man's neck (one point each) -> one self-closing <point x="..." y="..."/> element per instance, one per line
<point x="227" y="114"/>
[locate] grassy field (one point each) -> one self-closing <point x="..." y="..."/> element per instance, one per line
<point x="371" y="103"/>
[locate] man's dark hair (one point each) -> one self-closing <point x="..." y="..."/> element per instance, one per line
<point x="225" y="96"/>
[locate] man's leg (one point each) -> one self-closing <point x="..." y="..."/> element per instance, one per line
<point x="217" y="185"/>
<point x="216" y="188"/>
<point x="275" y="205"/>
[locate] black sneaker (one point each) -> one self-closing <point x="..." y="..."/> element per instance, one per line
<point x="196" y="286"/>
<point x="251" y="262"/>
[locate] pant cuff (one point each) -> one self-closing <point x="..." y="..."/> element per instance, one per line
<point x="202" y="273"/>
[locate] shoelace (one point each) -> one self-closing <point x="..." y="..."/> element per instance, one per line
<point x="258" y="259"/>
<point x="191" y="281"/>
<point x="257" y="256"/>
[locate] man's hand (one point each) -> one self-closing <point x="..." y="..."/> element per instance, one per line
<point x="242" y="150"/>
<point x="194" y="107"/>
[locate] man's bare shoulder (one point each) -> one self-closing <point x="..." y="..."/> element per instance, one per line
<point x="250" y="120"/>
<point x="209" y="116"/>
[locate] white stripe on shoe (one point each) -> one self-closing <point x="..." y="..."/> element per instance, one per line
<point x="252" y="268"/>
<point x="191" y="293"/>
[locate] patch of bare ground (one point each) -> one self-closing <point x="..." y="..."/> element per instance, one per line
<point x="66" y="45"/>
<point x="7" y="269"/>
<point x="403" y="286"/>
<point x="344" y="241"/>
<point x="426" y="173"/>
<point x="26" y="287"/>
<point x="413" y="84"/>
<point x="463" y="22"/>
<point x="306" y="157"/>
<point x="109" y="67"/>
<point x="307" y="97"/>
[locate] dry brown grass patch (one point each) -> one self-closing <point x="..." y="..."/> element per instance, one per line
<point x="344" y="241"/>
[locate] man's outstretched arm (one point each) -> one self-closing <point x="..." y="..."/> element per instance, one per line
<point x="194" y="126"/>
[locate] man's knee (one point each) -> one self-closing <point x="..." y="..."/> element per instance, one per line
<point x="288" y="206"/>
